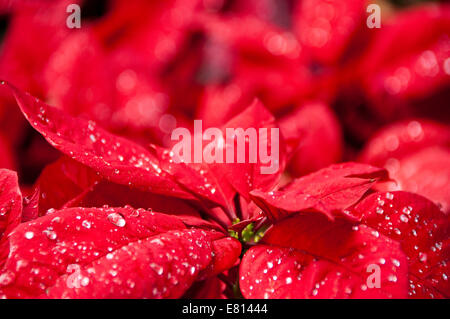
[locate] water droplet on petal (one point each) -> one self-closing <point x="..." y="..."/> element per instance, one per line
<point x="7" y="278"/>
<point x="29" y="235"/>
<point x="117" y="219"/>
<point x="157" y="268"/>
<point x="86" y="224"/>
<point x="50" y="234"/>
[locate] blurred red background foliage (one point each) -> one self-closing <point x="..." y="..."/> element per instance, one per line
<point x="339" y="90"/>
<point x="141" y="68"/>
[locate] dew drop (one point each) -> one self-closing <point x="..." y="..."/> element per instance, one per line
<point x="6" y="278"/>
<point x="117" y="219"/>
<point x="29" y="235"/>
<point x="50" y="234"/>
<point x="403" y="218"/>
<point x="86" y="224"/>
<point x="85" y="281"/>
<point x="157" y="268"/>
<point x="392" y="278"/>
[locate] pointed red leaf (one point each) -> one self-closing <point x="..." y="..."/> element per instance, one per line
<point x="250" y="175"/>
<point x="308" y="256"/>
<point x="105" y="193"/>
<point x="217" y="182"/>
<point x="330" y="191"/>
<point x="80" y="186"/>
<point x="226" y="252"/>
<point x="115" y="253"/>
<point x="114" y="157"/>
<point x="163" y="266"/>
<point x="423" y="232"/>
<point x="71" y="177"/>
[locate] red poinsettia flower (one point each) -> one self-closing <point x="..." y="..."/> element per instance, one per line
<point x="112" y="219"/>
<point x="103" y="156"/>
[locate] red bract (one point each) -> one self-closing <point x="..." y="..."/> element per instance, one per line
<point x="116" y="252"/>
<point x="398" y="140"/>
<point x="6" y="157"/>
<point x="422" y="230"/>
<point x="266" y="63"/>
<point x="255" y="116"/>
<point x="72" y="179"/>
<point x="416" y="155"/>
<point x="10" y="207"/>
<point x="116" y="215"/>
<point x="216" y="182"/>
<point x="80" y="186"/>
<point x="323" y="239"/>
<point x="308" y="256"/>
<point x="427" y="173"/>
<point x="126" y="98"/>
<point x="330" y="191"/>
<point x="116" y="158"/>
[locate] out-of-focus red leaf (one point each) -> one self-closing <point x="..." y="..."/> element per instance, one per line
<point x="398" y="140"/>
<point x="308" y="256"/>
<point x="10" y="207"/>
<point x="426" y="172"/>
<point x="116" y="89"/>
<point x="6" y="155"/>
<point x="404" y="72"/>
<point x="267" y="60"/>
<point x="326" y="29"/>
<point x="314" y="133"/>
<point x="423" y="231"/>
<point x="260" y="40"/>
<point x="23" y="58"/>
<point x="330" y="191"/>
<point x="112" y="252"/>
<point x="230" y="99"/>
